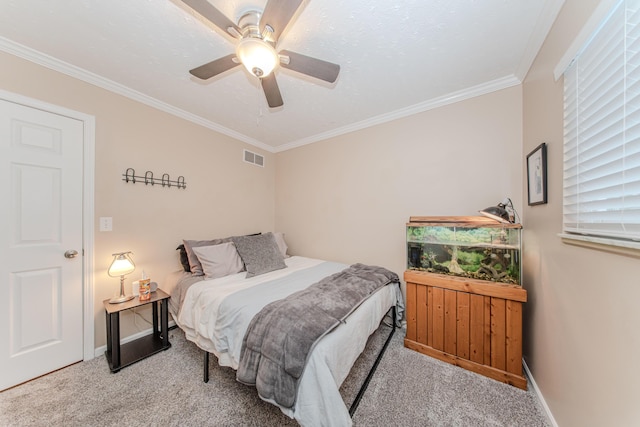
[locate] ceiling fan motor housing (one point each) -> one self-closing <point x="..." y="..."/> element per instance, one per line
<point x="257" y="55"/>
<point x="249" y="24"/>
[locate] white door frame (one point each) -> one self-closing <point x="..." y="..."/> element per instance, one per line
<point x="89" y="145"/>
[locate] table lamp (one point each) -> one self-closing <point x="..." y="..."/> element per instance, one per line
<point x="121" y="265"/>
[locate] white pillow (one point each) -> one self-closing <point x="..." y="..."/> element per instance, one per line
<point x="219" y="260"/>
<point x="282" y="245"/>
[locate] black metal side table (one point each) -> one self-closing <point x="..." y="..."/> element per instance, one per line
<point x="123" y="355"/>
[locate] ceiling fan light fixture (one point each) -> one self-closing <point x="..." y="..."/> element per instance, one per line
<point x="257" y="34"/>
<point x="257" y="56"/>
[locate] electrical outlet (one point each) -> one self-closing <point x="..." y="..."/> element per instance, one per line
<point x="106" y="223"/>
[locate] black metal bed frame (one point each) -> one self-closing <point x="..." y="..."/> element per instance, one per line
<point x="372" y="371"/>
<point x="365" y="384"/>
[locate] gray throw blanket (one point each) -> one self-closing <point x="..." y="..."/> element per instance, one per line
<point x="281" y="336"/>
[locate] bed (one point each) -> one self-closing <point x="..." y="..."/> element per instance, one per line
<point x="215" y="313"/>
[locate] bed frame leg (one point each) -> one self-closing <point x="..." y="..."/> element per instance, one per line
<point x="206" y="367"/>
<point x="364" y="386"/>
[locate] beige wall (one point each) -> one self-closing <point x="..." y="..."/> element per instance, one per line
<point x="348" y="198"/>
<point x="224" y="195"/>
<point x="581" y="339"/>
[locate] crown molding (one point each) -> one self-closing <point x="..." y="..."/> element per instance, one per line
<point x="544" y="23"/>
<point x="47" y="61"/>
<point x="54" y="64"/>
<point x="441" y="101"/>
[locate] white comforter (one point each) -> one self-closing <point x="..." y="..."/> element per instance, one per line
<point x="219" y="328"/>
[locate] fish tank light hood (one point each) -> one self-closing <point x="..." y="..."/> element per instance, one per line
<point x="503" y="212"/>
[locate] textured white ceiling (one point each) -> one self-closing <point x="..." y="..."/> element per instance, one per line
<point x="396" y="57"/>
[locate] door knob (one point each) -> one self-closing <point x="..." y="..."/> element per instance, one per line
<point x="70" y="253"/>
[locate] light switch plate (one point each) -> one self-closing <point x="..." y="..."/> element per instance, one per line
<point x="106" y="223"/>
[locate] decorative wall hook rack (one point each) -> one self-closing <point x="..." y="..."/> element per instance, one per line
<point x="130" y="176"/>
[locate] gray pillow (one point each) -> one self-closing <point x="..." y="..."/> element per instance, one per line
<point x="194" y="262"/>
<point x="260" y="254"/>
<point x="219" y="260"/>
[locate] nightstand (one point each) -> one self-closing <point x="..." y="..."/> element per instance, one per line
<point x="123" y="355"/>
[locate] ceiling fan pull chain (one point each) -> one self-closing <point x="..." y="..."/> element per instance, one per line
<point x="258" y="101"/>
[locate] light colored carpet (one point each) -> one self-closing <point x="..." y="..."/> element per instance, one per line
<point x="409" y="389"/>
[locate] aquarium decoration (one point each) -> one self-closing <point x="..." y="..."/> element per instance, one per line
<point x="474" y="247"/>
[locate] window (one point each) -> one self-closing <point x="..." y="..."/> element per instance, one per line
<point x="601" y="191"/>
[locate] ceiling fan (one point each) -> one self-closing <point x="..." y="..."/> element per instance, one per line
<point x="257" y="34"/>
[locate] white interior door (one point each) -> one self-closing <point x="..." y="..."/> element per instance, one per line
<point x="41" y="289"/>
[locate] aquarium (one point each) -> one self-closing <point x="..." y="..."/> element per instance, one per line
<point x="474" y="247"/>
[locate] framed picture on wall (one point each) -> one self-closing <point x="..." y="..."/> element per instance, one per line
<point x="537" y="175"/>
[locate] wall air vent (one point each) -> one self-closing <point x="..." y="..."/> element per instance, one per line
<point x="253" y="158"/>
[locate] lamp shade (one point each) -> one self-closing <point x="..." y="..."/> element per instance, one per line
<point x="499" y="213"/>
<point x="121" y="265"/>
<point x="257" y="56"/>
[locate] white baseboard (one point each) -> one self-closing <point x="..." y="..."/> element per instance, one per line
<point x="99" y="351"/>
<point x="539" y="394"/>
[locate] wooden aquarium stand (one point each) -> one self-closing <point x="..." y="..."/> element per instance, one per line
<point x="474" y="324"/>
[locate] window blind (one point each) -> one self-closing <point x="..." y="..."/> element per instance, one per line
<point x="601" y="187"/>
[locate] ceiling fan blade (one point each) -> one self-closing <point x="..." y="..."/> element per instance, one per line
<point x="271" y="91"/>
<point x="313" y="67"/>
<point x="277" y="14"/>
<point x="204" y="8"/>
<point x="214" y="68"/>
